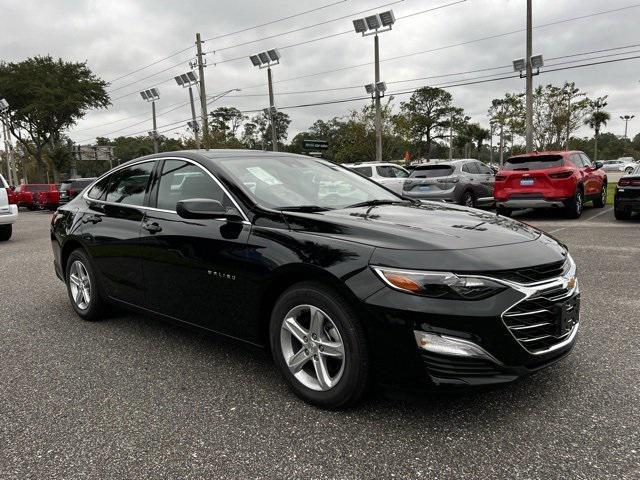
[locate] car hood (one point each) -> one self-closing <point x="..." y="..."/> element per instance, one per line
<point x="429" y="226"/>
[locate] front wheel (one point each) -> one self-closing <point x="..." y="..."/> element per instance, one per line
<point x="628" y="170"/>
<point x="574" y="206"/>
<point x="319" y="345"/>
<point x="602" y="199"/>
<point x="468" y="200"/>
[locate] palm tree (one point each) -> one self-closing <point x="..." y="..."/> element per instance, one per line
<point x="597" y="119"/>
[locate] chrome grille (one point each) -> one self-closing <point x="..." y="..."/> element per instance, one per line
<point x="544" y="318"/>
<point x="533" y="274"/>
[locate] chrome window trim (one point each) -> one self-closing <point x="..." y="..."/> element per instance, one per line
<point x="86" y="197"/>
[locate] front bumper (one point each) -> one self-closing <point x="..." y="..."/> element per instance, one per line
<point x="515" y="348"/>
<point x="9" y="216"/>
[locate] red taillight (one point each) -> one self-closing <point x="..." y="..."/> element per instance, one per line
<point x="629" y="182"/>
<point x="566" y="174"/>
<point x="500" y="178"/>
<point x="11" y="196"/>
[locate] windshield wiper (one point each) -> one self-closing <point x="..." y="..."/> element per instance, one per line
<point x="305" y="208"/>
<point x="375" y="203"/>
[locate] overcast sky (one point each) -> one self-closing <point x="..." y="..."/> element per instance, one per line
<point x="117" y="37"/>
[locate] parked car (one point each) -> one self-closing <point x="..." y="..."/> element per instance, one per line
<point x="624" y="164"/>
<point x="389" y="175"/>
<point x="48" y="199"/>
<point x="466" y="182"/>
<point x="627" y="197"/>
<point x="8" y="210"/>
<point x="69" y="189"/>
<point x="26" y="193"/>
<point x="563" y="180"/>
<point x="344" y="286"/>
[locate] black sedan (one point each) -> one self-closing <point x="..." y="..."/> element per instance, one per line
<point x="344" y="281"/>
<point x="626" y="200"/>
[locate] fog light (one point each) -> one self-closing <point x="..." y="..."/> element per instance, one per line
<point x="445" y="345"/>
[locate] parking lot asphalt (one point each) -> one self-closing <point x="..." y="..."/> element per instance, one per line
<point x="131" y="397"/>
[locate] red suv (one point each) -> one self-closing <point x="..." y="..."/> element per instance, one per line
<point x="565" y="180"/>
<point x="25" y="195"/>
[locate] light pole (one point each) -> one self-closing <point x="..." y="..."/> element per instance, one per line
<point x="266" y="60"/>
<point x="523" y="65"/>
<point x="4" y="116"/>
<point x="151" y="96"/>
<point x="626" y="119"/>
<point x="372" y="25"/>
<point x="188" y="80"/>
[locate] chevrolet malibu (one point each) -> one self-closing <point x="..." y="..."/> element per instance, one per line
<point x="346" y="283"/>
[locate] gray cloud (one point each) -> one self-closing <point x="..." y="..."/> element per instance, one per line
<point x="119" y="36"/>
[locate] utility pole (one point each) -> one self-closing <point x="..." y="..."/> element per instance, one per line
<point x="451" y="137"/>
<point x="529" y="121"/>
<point x="7" y="150"/>
<point x="491" y="144"/>
<point x="274" y="135"/>
<point x="193" y="118"/>
<point x="376" y="55"/>
<point x="203" y="91"/>
<point x="155" y="127"/>
<point x="626" y="119"/>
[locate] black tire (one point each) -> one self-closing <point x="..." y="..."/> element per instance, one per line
<point x="96" y="306"/>
<point x="468" y="199"/>
<point x="504" y="211"/>
<point x="354" y="379"/>
<point x="629" y="170"/>
<point x="575" y="205"/>
<point x="5" y="232"/>
<point x="601" y="201"/>
<point x="622" y="214"/>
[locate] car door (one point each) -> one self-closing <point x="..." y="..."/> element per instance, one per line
<point x="111" y="230"/>
<point x="593" y="181"/>
<point x="194" y="270"/>
<point x="391" y="177"/>
<point x="487" y="180"/>
<point x="471" y="178"/>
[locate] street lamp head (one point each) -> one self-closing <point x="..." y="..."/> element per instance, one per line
<point x="264" y="58"/>
<point x="373" y="22"/>
<point x="370" y="88"/>
<point x="381" y="87"/>
<point x="537" y="61"/>
<point x="387" y="18"/>
<point x="519" y="65"/>
<point x="4" y="105"/>
<point x="255" y="60"/>
<point x="274" y="54"/>
<point x="150" y="95"/>
<point x="360" y="25"/>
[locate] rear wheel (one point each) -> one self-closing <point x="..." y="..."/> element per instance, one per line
<point x="319" y="346"/>
<point x="574" y="206"/>
<point x="82" y="286"/>
<point x="5" y="232"/>
<point x="602" y="199"/>
<point x="622" y="213"/>
<point x="628" y="170"/>
<point x="468" y="200"/>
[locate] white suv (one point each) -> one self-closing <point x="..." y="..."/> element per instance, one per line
<point x="389" y="175"/>
<point x="8" y="211"/>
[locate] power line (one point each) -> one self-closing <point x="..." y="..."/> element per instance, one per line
<point x="275" y="21"/>
<point x="151" y="64"/>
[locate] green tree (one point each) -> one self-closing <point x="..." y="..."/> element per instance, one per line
<point x="426" y="117"/>
<point x="507" y="115"/>
<point x="46" y="97"/>
<point x="263" y="128"/>
<point x="597" y="119"/>
<point x="227" y="120"/>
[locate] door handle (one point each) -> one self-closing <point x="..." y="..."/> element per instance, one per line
<point x="152" y="227"/>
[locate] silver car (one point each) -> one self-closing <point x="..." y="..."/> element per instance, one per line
<point x="389" y="175"/>
<point x="466" y="182"/>
<point x="624" y="164"/>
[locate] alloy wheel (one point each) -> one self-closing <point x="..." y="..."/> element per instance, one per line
<point x="604" y="194"/>
<point x="80" y="285"/>
<point x="578" y="203"/>
<point x="312" y="347"/>
<point x="468" y="200"/>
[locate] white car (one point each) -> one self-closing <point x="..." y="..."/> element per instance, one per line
<point x="389" y="175"/>
<point x="624" y="164"/>
<point x="8" y="211"/>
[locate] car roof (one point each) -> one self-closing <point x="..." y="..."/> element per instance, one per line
<point x="371" y="164"/>
<point x="547" y="152"/>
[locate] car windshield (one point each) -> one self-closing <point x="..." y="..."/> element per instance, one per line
<point x="295" y="182"/>
<point x="432" y="171"/>
<point x="537" y="162"/>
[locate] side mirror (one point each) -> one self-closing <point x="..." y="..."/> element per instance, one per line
<point x="203" y="208"/>
<point x="599" y="164"/>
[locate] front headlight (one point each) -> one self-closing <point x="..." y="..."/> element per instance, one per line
<point x="445" y="285"/>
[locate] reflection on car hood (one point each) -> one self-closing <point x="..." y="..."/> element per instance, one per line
<point x="429" y="226"/>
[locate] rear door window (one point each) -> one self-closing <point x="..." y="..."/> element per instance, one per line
<point x="129" y="185"/>
<point x="585" y="160"/>
<point x="470" y="167"/>
<point x="431" y="171"/>
<point x="366" y="171"/>
<point x="534" y="162"/>
<point x="483" y="169"/>
<point x="576" y="160"/>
